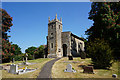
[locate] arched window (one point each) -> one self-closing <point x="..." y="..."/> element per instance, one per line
<point x="59" y="26"/>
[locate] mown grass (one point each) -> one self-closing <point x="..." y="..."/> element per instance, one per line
<point x="59" y="67"/>
<point x="39" y="64"/>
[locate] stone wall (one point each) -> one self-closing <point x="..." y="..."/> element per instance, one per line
<point x="66" y="39"/>
<point x="51" y="38"/>
<point x="58" y="39"/>
<point x="54" y="38"/>
<point x="77" y="45"/>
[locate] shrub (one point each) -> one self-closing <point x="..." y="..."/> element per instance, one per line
<point x="18" y="57"/>
<point x="30" y="57"/>
<point x="100" y="52"/>
<point x="83" y="55"/>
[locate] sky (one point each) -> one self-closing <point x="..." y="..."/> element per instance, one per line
<point x="30" y="20"/>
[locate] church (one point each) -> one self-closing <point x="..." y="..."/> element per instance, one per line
<point x="62" y="44"/>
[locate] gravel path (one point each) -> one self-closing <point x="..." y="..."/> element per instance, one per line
<point x="46" y="70"/>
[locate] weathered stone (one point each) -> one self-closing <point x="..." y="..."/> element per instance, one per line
<point x="88" y="69"/>
<point x="114" y="75"/>
<point x="62" y="43"/>
<point x="69" y="68"/>
<point x="13" y="69"/>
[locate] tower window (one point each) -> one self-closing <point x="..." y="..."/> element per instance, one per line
<point x="51" y="45"/>
<point x="51" y="34"/>
<point x="59" y="26"/>
<point x="52" y="26"/>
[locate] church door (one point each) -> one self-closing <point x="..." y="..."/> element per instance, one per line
<point x="64" y="50"/>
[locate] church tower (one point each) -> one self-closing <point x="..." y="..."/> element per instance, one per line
<point x="54" y="37"/>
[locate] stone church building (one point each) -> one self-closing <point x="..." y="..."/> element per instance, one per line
<point x="61" y="44"/>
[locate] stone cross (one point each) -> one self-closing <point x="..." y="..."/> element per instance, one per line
<point x="26" y="55"/>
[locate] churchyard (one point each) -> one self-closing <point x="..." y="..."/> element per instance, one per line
<point x="58" y="69"/>
<point x="37" y="64"/>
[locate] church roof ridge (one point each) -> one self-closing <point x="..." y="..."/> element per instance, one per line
<point x="77" y="37"/>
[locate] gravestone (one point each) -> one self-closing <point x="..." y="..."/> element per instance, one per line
<point x="13" y="69"/>
<point x="70" y="57"/>
<point x="23" y="59"/>
<point x="88" y="69"/>
<point x="13" y="60"/>
<point x="114" y="75"/>
<point x="69" y="68"/>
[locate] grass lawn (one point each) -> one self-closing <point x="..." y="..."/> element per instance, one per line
<point x="59" y="67"/>
<point x="40" y="63"/>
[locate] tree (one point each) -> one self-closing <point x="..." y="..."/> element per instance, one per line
<point x="100" y="53"/>
<point x="16" y="49"/>
<point x="106" y="17"/>
<point x="40" y="52"/>
<point x="6" y="45"/>
<point x="31" y="51"/>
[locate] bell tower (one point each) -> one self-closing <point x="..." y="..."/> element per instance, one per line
<point x="54" y="37"/>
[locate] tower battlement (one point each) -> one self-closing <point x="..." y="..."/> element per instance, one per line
<point x="55" y="20"/>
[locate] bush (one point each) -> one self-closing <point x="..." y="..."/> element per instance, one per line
<point x="83" y="55"/>
<point x="30" y="57"/>
<point x="18" y="57"/>
<point x="100" y="52"/>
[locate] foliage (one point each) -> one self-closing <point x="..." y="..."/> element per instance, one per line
<point x="30" y="50"/>
<point x="40" y="52"/>
<point x="16" y="49"/>
<point x="100" y="52"/>
<point x="34" y="52"/>
<point x="106" y="17"/>
<point x="18" y="57"/>
<point x="83" y="55"/>
<point x="30" y="56"/>
<point x="6" y="45"/>
<point x="8" y="49"/>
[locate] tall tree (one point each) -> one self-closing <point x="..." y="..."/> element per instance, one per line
<point x="31" y="52"/>
<point x="6" y="45"/>
<point x="16" y="49"/>
<point x="106" y="17"/>
<point x="40" y="52"/>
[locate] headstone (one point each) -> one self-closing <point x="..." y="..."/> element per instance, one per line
<point x="69" y="68"/>
<point x="23" y="59"/>
<point x="70" y="57"/>
<point x="13" y="60"/>
<point x="114" y="75"/>
<point x="13" y="69"/>
<point x="44" y="56"/>
<point x="88" y="69"/>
